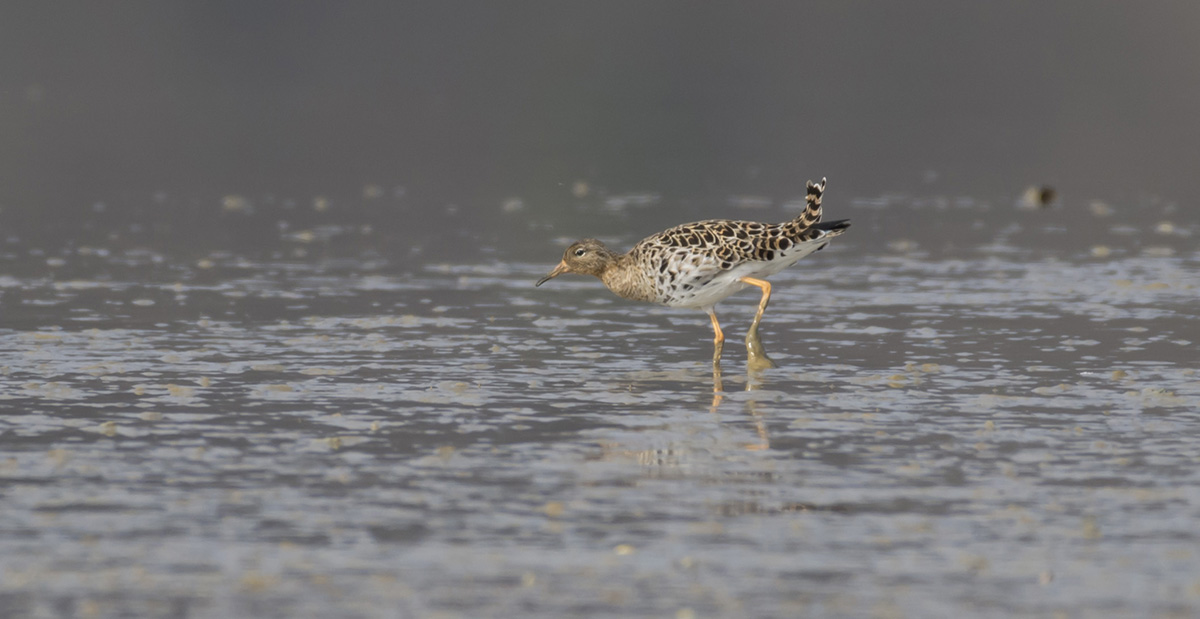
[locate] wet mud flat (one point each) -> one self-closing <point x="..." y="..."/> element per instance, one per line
<point x="979" y="410"/>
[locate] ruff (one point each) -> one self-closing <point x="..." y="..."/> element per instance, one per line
<point x="697" y="265"/>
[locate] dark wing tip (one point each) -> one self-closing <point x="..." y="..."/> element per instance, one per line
<point x="833" y="226"/>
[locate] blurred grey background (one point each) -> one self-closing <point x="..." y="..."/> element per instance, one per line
<point x="472" y="102"/>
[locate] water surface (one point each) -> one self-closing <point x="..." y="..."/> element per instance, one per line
<point x="286" y="411"/>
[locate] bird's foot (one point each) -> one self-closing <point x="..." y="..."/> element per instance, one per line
<point x="756" y="356"/>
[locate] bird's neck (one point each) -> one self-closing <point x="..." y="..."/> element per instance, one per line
<point x="626" y="280"/>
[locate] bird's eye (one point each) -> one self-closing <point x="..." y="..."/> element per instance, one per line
<point x="581" y="251"/>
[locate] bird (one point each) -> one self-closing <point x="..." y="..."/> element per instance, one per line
<point x="698" y="265"/>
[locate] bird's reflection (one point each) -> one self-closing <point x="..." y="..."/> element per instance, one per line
<point x="755" y="379"/>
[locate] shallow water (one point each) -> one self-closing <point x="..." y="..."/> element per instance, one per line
<point x="979" y="410"/>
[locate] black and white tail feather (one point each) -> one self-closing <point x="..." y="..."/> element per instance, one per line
<point x="808" y="226"/>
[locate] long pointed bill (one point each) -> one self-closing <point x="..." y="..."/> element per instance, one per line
<point x="558" y="270"/>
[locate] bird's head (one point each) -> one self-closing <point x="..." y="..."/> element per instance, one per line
<point x="586" y="257"/>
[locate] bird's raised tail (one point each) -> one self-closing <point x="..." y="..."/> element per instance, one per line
<point x="811" y="216"/>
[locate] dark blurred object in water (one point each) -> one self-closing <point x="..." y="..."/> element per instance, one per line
<point x="1038" y="197"/>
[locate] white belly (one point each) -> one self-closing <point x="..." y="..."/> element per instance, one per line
<point x="725" y="283"/>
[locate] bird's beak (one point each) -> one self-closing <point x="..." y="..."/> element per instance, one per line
<point x="558" y="270"/>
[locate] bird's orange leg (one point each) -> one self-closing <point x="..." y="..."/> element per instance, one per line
<point x="757" y="357"/>
<point x="718" y="344"/>
<point x="718" y="337"/>
<point x="762" y="305"/>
